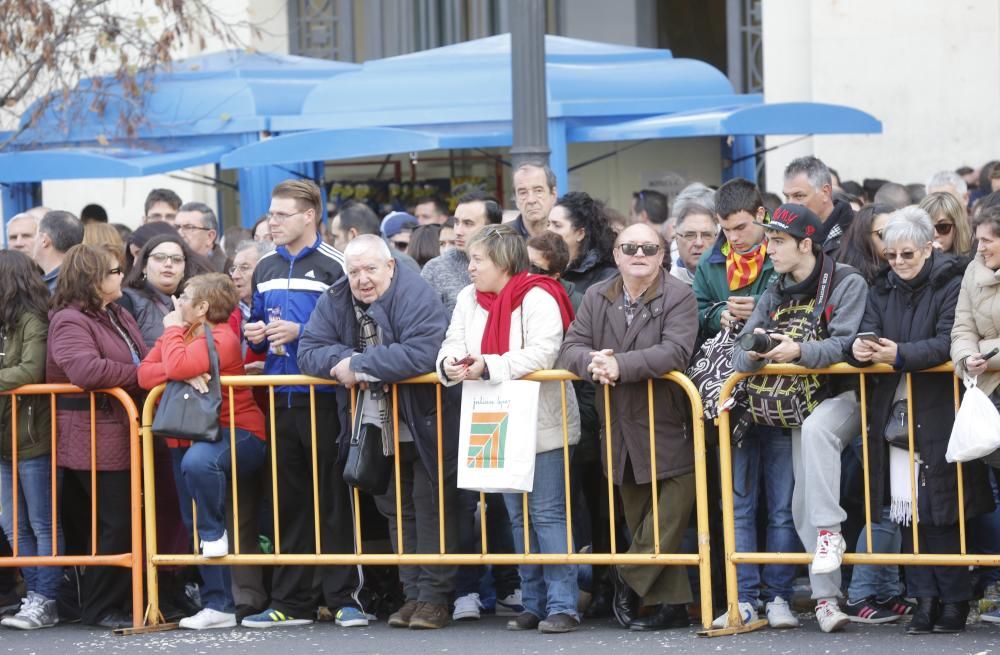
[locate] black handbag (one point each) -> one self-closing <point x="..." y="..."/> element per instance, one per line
<point x="186" y="413"/>
<point x="367" y="467"/>
<point x="897" y="428"/>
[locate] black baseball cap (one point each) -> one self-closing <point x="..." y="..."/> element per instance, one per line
<point x="795" y="220"/>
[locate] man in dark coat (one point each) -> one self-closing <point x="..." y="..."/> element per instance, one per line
<point x="383" y="324"/>
<point x="637" y="326"/>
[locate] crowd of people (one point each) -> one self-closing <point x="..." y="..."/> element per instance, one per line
<point x="724" y="279"/>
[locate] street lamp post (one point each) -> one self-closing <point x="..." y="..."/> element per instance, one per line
<point x="527" y="57"/>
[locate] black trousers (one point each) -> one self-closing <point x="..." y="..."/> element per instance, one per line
<point x="952" y="584"/>
<point x="104" y="589"/>
<point x="292" y="590"/>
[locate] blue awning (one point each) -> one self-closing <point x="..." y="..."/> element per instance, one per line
<point x="749" y="119"/>
<point x="332" y="144"/>
<point x="97" y="162"/>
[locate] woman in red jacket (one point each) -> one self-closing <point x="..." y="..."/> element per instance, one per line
<point x="202" y="469"/>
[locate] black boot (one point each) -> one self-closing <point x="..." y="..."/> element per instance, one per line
<point x="665" y="616"/>
<point x="952" y="617"/>
<point x="626" y="603"/>
<point x="924" y="617"/>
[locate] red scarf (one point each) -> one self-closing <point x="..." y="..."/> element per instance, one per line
<point x="496" y="336"/>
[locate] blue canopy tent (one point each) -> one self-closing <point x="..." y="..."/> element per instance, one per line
<point x="459" y="96"/>
<point x="198" y="110"/>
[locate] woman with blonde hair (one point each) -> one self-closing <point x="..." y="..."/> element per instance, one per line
<point x="951" y="223"/>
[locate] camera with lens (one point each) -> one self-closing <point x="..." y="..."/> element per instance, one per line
<point x="757" y="342"/>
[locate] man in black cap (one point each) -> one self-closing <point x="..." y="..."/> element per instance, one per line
<point x="808" y="317"/>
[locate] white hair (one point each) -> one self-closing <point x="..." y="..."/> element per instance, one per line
<point x="23" y="216"/>
<point x="910" y="223"/>
<point x="262" y="247"/>
<point x="695" y="193"/>
<point x="948" y="178"/>
<point x="365" y="242"/>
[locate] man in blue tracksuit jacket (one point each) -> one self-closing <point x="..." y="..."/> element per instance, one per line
<point x="287" y="283"/>
<point x="410" y="323"/>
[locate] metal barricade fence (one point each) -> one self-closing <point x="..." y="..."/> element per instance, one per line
<point x="132" y="559"/>
<point x="155" y="559"/>
<point x="733" y="557"/>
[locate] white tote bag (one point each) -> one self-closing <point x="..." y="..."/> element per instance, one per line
<point x="496" y="443"/>
<point x="976" y="432"/>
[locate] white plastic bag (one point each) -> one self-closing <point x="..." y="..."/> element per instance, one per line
<point x="497" y="434"/>
<point x="976" y="432"/>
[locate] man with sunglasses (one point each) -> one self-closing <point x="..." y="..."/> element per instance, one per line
<point x="814" y="337"/>
<point x="631" y="328"/>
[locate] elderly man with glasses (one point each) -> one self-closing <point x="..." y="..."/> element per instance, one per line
<point x="631" y="328"/>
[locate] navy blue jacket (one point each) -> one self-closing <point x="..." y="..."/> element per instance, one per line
<point x="293" y="283"/>
<point x="413" y="323"/>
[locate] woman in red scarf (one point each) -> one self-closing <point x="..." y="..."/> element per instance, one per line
<point x="507" y="324"/>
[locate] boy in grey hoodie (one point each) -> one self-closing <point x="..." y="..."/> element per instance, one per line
<point x="816" y="446"/>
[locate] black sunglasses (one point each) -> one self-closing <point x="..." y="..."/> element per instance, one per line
<point x="943" y="228"/>
<point x="117" y="270"/>
<point x="400" y="245"/>
<point x="648" y="249"/>
<point x="538" y="270"/>
<point x="906" y="255"/>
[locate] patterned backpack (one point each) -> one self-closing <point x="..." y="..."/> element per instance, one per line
<point x="786" y="400"/>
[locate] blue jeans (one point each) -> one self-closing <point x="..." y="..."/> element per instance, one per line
<point x="550" y="589"/>
<point x="879" y="581"/>
<point x="202" y="472"/>
<point x="765" y="455"/>
<point x="34" y="518"/>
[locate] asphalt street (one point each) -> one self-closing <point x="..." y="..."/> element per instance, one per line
<point x="488" y="636"/>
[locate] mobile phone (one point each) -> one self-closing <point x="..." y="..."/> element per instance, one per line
<point x="465" y="361"/>
<point x="991" y="354"/>
<point x="868" y="336"/>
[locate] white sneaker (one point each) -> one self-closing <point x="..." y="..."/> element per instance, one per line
<point x="208" y="618"/>
<point x="747" y="611"/>
<point x="779" y="614"/>
<point x="216" y="548"/>
<point x="830" y="547"/>
<point x="36" y="612"/>
<point x="512" y="605"/>
<point x="467" y="608"/>
<point x="830" y="618"/>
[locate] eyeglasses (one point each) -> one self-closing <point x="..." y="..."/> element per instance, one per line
<point x="188" y="228"/>
<point x="538" y="270"/>
<point x="242" y="268"/>
<point x="162" y="257"/>
<point x="648" y="249"/>
<point x="905" y="255"/>
<point x="943" y="228"/>
<point x="280" y="218"/>
<point x="117" y="270"/>
<point x="694" y="236"/>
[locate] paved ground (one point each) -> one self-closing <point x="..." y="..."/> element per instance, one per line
<point x="488" y="636"/>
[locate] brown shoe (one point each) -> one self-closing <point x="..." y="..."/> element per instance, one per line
<point x="523" y="621"/>
<point x="558" y="623"/>
<point x="401" y="617"/>
<point x="430" y="616"/>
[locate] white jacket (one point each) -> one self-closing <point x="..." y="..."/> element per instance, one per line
<point x="536" y="333"/>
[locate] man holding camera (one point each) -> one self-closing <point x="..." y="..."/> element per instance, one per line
<point x="727" y="284"/>
<point x="809" y="317"/>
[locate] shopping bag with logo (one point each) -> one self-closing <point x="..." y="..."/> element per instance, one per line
<point x="496" y="443"/>
<point x="976" y="431"/>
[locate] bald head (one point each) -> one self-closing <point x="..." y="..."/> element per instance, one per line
<point x="641" y="232"/>
<point x="368" y="244"/>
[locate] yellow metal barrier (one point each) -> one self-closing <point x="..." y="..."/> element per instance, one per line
<point x="732" y="557"/>
<point x="131" y="560"/>
<point x="155" y="559"/>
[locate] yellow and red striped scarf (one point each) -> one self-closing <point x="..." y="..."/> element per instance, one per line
<point x="743" y="268"/>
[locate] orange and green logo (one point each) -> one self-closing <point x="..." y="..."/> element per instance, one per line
<point x="487" y="439"/>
